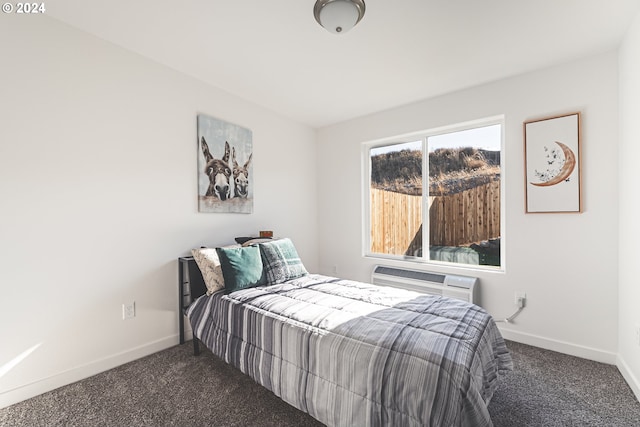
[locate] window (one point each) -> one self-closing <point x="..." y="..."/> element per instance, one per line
<point x="438" y="189"/>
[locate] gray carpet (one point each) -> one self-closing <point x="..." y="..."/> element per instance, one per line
<point x="173" y="388"/>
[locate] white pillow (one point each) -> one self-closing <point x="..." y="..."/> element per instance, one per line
<point x="209" y="264"/>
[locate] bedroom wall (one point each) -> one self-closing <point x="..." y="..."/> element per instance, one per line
<point x="566" y="263"/>
<point x="629" y="311"/>
<point x="98" y="199"/>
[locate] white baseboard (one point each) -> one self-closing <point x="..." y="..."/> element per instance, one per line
<point x="564" y="347"/>
<point x="631" y="379"/>
<point x="70" y="376"/>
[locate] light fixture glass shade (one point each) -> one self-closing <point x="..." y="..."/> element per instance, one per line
<point x="338" y="16"/>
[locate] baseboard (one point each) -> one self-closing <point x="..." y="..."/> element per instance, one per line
<point x="70" y="376"/>
<point x="634" y="383"/>
<point x="564" y="347"/>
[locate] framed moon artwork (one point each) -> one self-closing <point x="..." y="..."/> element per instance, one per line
<point x="553" y="152"/>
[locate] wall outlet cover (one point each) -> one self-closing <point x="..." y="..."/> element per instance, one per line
<point x="128" y="310"/>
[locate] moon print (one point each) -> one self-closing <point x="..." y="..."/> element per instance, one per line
<point x="567" y="168"/>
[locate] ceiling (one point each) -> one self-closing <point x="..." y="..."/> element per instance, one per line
<point x="274" y="54"/>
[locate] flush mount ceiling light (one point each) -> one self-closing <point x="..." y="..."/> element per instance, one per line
<point x="338" y="16"/>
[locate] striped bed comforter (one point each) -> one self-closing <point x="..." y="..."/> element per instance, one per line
<point x="356" y="354"/>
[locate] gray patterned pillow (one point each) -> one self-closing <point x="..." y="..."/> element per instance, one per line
<point x="209" y="264"/>
<point x="281" y="261"/>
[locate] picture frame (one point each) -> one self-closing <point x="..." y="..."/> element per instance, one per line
<point x="553" y="164"/>
<point x="225" y="167"/>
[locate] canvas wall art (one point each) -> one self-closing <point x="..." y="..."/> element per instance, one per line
<point x="225" y="167"/>
<point x="553" y="152"/>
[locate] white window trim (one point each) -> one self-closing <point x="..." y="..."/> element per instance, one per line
<point x="424" y="135"/>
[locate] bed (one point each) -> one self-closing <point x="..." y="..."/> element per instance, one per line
<point x="351" y="353"/>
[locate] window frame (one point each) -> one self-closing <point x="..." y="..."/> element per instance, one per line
<point x="424" y="136"/>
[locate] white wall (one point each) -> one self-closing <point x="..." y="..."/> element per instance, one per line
<point x="629" y="310"/>
<point x="98" y="199"/>
<point x="566" y="263"/>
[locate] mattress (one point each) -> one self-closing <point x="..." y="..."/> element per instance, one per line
<point x="351" y="353"/>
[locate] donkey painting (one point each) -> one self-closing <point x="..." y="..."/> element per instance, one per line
<point x="241" y="176"/>
<point x="218" y="172"/>
<point x="224" y="152"/>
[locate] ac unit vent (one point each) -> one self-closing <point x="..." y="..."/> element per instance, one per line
<point x="448" y="285"/>
<point x="410" y="274"/>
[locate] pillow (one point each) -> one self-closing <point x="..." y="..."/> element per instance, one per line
<point x="209" y="265"/>
<point x="241" y="267"/>
<point x="281" y="261"/>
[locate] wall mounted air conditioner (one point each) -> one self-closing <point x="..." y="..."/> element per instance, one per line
<point x="448" y="285"/>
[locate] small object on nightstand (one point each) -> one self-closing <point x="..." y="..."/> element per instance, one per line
<point x="266" y="233"/>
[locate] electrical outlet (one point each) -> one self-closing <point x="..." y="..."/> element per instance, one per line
<point x="129" y="310"/>
<point x="638" y="334"/>
<point x="521" y="298"/>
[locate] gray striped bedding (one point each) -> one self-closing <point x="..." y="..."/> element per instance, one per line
<point x="356" y="354"/>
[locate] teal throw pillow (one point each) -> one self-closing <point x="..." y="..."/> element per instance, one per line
<point x="281" y="261"/>
<point x="241" y="268"/>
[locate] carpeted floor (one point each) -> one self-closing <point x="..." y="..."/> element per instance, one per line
<point x="173" y="388"/>
<point x="551" y="389"/>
